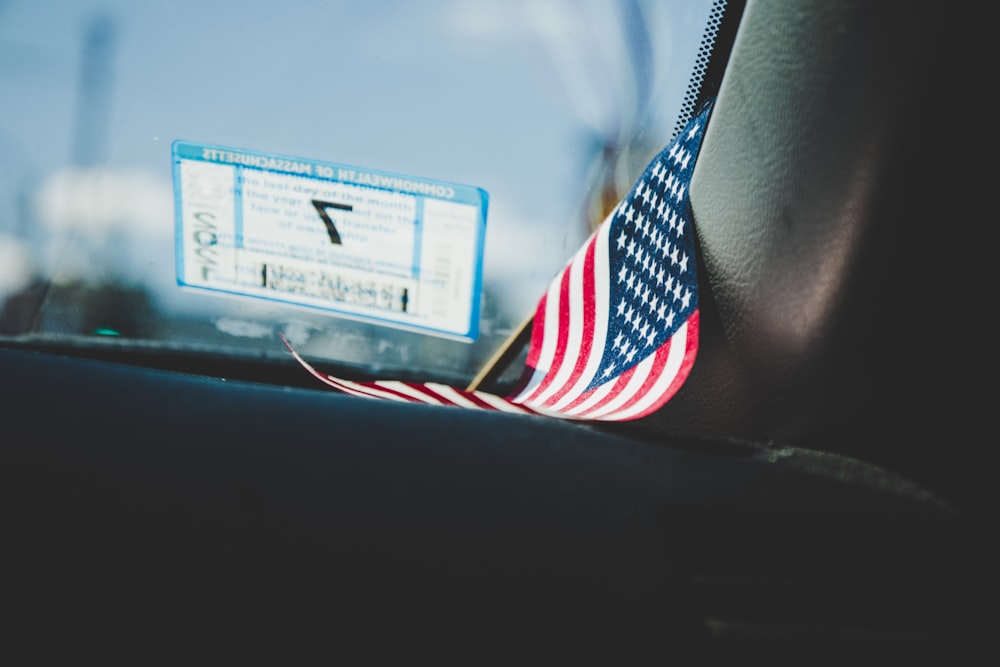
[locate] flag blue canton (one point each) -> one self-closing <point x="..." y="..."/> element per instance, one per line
<point x="653" y="282"/>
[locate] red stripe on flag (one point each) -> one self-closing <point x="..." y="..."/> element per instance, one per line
<point x="660" y="385"/>
<point x="562" y="309"/>
<point x="690" y="352"/>
<point x="537" y="333"/>
<point x="659" y="362"/>
<point x="582" y="352"/>
<point x="586" y="327"/>
<point x="612" y="390"/>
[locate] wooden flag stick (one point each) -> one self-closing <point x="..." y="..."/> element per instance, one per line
<point x="501" y="359"/>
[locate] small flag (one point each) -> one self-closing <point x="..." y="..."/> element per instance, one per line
<point x="616" y="334"/>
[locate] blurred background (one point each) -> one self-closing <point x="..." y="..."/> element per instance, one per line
<point x="553" y="107"/>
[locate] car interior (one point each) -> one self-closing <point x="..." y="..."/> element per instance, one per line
<point x="819" y="487"/>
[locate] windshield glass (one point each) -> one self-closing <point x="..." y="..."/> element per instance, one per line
<point x="549" y="109"/>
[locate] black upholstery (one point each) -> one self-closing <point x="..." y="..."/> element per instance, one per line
<point x="841" y="202"/>
<point x="143" y="507"/>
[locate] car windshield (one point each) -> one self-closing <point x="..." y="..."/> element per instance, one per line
<point x="539" y="115"/>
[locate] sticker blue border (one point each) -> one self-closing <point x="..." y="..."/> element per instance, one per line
<point x="423" y="188"/>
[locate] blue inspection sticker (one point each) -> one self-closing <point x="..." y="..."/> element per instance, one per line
<point x="387" y="248"/>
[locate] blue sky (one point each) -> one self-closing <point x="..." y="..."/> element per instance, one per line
<point x="504" y="95"/>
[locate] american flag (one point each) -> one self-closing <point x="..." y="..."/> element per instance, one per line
<point x="616" y="334"/>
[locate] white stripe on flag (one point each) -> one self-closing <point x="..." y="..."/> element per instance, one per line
<point x="594" y="399"/>
<point x="411" y="391"/>
<point x="675" y="357"/>
<point x="626" y="393"/>
<point x="574" y="334"/>
<point x="453" y="395"/>
<point x="550" y="369"/>
<point x="503" y="404"/>
<point x="369" y="390"/>
<point x="602" y="296"/>
<point x="548" y="351"/>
